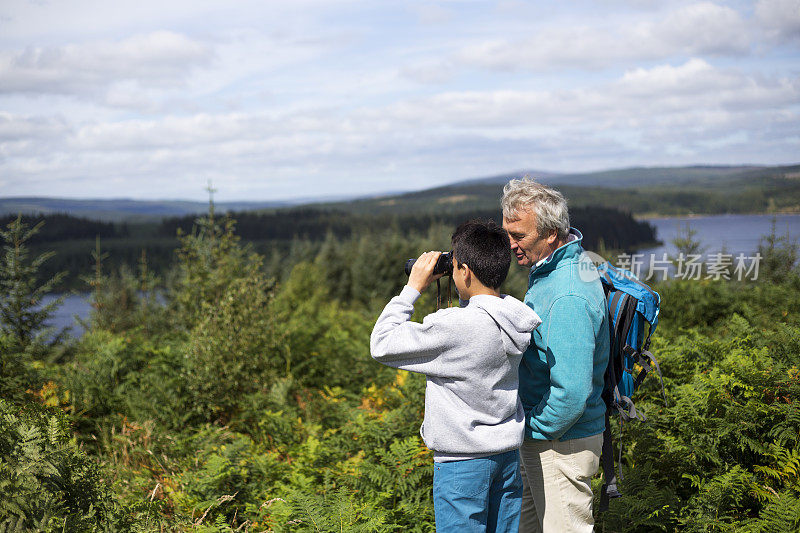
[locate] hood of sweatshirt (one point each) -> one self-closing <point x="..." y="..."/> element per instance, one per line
<point x="514" y="318"/>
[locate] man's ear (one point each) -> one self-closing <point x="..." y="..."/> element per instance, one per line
<point x="552" y="237"/>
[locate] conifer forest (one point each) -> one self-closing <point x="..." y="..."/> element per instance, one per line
<point x="225" y="386"/>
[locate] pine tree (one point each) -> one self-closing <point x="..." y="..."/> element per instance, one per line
<point x="210" y="258"/>
<point x="22" y="315"/>
<point x="779" y="255"/>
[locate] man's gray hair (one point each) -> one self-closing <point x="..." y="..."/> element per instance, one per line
<point x="549" y="206"/>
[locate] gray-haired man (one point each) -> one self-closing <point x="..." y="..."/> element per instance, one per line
<point x="561" y="374"/>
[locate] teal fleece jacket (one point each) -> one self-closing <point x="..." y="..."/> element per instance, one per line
<point x="561" y="373"/>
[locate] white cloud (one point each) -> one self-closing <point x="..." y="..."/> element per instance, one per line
<point x="657" y="112"/>
<point x="550" y="48"/>
<point x="664" y="101"/>
<point x="432" y="72"/>
<point x="696" y="76"/>
<point x="780" y="18"/>
<point x="697" y="85"/>
<point x="433" y="14"/>
<point x="155" y="59"/>
<point x="16" y="128"/>
<point x="701" y="28"/>
<point x="70" y="20"/>
<point x="676" y="105"/>
<point x="359" y="97"/>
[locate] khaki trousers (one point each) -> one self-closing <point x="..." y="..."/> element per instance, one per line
<point x="557" y="490"/>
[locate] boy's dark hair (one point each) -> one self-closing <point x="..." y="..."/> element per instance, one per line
<point x="484" y="247"/>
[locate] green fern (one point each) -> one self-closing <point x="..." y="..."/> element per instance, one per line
<point x="46" y="482"/>
<point x="781" y="515"/>
<point x="336" y="511"/>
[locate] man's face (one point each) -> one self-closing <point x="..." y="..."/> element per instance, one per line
<point x="526" y="243"/>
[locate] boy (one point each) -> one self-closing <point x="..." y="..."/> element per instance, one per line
<point x="470" y="355"/>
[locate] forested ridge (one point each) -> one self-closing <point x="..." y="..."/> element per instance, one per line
<point x="642" y="191"/>
<point x="241" y="395"/>
<point x="602" y="204"/>
<point x="63" y="227"/>
<point x="286" y="235"/>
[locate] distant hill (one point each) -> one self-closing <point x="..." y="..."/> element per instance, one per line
<point x="123" y="209"/>
<point x="632" y="177"/>
<point x="642" y="191"/>
<point x="504" y="178"/>
<point x="660" y="176"/>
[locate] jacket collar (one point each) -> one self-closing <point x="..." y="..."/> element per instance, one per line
<point x="569" y="250"/>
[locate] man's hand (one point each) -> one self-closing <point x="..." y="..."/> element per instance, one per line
<point x="422" y="272"/>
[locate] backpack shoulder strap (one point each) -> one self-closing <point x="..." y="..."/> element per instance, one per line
<point x="609" y="489"/>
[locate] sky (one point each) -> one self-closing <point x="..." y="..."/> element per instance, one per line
<point x="284" y="100"/>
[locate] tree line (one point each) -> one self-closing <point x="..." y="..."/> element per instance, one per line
<point x="283" y="233"/>
<point x="64" y="227"/>
<point x="617" y="229"/>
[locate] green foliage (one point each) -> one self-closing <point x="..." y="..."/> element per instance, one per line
<point x="22" y="317"/>
<point x="400" y="478"/>
<point x="231" y="352"/>
<point x="686" y="241"/>
<point x="46" y="482"/>
<point x="782" y="513"/>
<point x="706" y="304"/>
<point x="335" y="512"/>
<point x="123" y="300"/>
<point x="250" y="404"/>
<point x="61" y="226"/>
<point x="318" y="339"/>
<point x="725" y="447"/>
<point x="209" y="260"/>
<point x="15" y="375"/>
<point x="124" y="374"/>
<point x="246" y="335"/>
<point x="360" y="272"/>
<point x="24" y="342"/>
<point x="779" y="256"/>
<point x="230" y="472"/>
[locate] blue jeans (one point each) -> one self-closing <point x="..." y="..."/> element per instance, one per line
<point x="477" y="495"/>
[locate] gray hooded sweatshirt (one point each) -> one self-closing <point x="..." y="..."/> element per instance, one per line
<point x="470" y="356"/>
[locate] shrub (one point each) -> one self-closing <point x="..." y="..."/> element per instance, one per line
<point x="725" y="449"/>
<point x="232" y="353"/>
<point x="47" y="483"/>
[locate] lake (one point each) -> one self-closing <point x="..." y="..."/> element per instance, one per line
<point x="74" y="305"/>
<point x="735" y="234"/>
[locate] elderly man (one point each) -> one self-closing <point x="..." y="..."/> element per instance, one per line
<point x="561" y="375"/>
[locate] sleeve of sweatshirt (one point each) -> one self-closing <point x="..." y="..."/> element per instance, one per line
<point x="570" y="340"/>
<point x="400" y="343"/>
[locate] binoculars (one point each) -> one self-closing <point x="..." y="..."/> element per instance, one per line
<point x="444" y="265"/>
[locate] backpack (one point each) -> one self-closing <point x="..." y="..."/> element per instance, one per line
<point x="632" y="308"/>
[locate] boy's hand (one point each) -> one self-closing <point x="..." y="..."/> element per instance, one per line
<point x="422" y="272"/>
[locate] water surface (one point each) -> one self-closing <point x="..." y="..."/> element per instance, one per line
<point x="735" y="234"/>
<point x="74" y="305"/>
